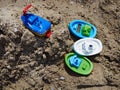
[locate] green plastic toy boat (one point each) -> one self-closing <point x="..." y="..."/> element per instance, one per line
<point x="78" y="64"/>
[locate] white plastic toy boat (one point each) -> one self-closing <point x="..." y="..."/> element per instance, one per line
<point x="88" y="46"/>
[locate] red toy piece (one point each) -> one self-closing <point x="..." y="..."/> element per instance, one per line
<point x="48" y="33"/>
<point x="26" y="8"/>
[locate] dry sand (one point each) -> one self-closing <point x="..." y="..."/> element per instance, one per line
<point x="29" y="62"/>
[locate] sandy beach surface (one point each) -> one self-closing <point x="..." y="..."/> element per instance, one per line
<point x="30" y="62"/>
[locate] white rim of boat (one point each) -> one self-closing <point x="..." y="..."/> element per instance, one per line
<point x="94" y="46"/>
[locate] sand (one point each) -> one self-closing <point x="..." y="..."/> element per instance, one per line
<point x="30" y="62"/>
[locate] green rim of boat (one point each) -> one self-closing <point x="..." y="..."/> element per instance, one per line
<point x="85" y="67"/>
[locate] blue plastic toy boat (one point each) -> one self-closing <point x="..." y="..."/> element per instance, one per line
<point x="82" y="29"/>
<point x="35" y="23"/>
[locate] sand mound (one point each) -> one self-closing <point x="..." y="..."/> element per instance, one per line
<point x="29" y="62"/>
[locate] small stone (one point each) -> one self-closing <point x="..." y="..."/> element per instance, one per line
<point x="11" y="58"/>
<point x="71" y="2"/>
<point x="44" y="56"/>
<point x="47" y="49"/>
<point x="56" y="56"/>
<point x="12" y="75"/>
<point x="69" y="42"/>
<point x="62" y="78"/>
<point x="15" y="29"/>
<point x="32" y="64"/>
<point x="52" y="87"/>
<point x="4" y="71"/>
<point x="9" y="67"/>
<point x="59" y="89"/>
<point x="94" y="11"/>
<point x="62" y="53"/>
<point x="56" y="79"/>
<point x="60" y="49"/>
<point x="54" y="68"/>
<point x="31" y="82"/>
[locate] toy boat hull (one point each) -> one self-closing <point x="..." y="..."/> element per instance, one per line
<point x="85" y="67"/>
<point x="80" y="48"/>
<point x="77" y="31"/>
<point x="36" y="24"/>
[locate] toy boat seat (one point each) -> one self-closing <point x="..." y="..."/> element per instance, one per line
<point x="86" y="29"/>
<point x="75" y="61"/>
<point x="32" y="19"/>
